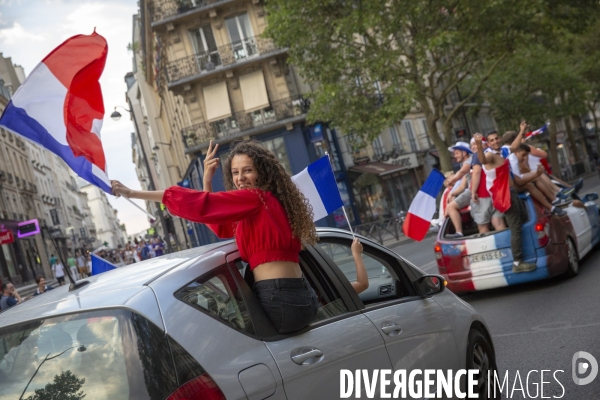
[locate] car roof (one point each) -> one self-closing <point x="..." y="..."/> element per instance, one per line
<point x="119" y="287"/>
<point x="116" y="288"/>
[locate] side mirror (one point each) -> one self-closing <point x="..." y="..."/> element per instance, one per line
<point x="590" y="197"/>
<point x="431" y="284"/>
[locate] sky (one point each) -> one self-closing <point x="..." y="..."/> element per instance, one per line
<point x="30" y="29"/>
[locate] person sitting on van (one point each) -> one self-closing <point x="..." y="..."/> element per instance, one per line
<point x="462" y="154"/>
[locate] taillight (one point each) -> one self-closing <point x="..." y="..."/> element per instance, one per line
<point x="201" y="387"/>
<point x="542" y="235"/>
<point x="438" y="252"/>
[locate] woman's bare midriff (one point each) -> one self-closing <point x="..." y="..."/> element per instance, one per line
<point x="277" y="270"/>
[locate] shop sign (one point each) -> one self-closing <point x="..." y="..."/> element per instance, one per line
<point x="316" y="133"/>
<point x="28" y="228"/>
<point x="6" y="237"/>
<point x="406" y="161"/>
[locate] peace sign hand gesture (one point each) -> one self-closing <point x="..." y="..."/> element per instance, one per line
<point x="211" y="163"/>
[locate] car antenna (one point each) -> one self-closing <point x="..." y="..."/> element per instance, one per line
<point x="73" y="285"/>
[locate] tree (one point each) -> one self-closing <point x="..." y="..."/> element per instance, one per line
<point x="373" y="61"/>
<point x="64" y="387"/>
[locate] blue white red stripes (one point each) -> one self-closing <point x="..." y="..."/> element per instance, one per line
<point x="422" y="208"/>
<point x="318" y="185"/>
<point x="60" y="106"/>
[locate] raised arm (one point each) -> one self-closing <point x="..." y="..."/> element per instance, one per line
<point x="211" y="163"/>
<point x="519" y="139"/>
<point x="485" y="158"/>
<point x="362" y="279"/>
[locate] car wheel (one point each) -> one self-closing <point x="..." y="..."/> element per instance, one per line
<point x="573" y="267"/>
<point x="481" y="357"/>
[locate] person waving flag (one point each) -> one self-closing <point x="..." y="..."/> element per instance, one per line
<point x="60" y="106"/>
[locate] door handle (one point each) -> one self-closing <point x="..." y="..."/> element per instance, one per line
<point x="310" y="356"/>
<point x="391" y="329"/>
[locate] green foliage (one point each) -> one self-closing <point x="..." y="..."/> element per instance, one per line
<point x="371" y="61"/>
<point x="64" y="387"/>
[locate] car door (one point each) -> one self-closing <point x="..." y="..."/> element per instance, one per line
<point x="339" y="338"/>
<point x="416" y="331"/>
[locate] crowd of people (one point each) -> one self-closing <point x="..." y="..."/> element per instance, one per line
<point x="468" y="187"/>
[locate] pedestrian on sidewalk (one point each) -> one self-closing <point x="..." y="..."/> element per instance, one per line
<point x="59" y="272"/>
<point x="42" y="287"/>
<point x="10" y="296"/>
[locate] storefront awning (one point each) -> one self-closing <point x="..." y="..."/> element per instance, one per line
<point x="377" y="168"/>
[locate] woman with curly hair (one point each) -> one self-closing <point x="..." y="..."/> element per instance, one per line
<point x="269" y="218"/>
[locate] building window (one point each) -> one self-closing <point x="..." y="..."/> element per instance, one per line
<point x="378" y="146"/>
<point x="396" y="142"/>
<point x="277" y="147"/>
<point x="408" y="127"/>
<point x="207" y="53"/>
<point x="243" y="44"/>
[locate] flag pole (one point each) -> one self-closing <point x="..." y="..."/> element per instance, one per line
<point x="140" y="208"/>
<point x="343" y="207"/>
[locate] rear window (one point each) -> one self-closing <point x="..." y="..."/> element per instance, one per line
<point x="111" y="354"/>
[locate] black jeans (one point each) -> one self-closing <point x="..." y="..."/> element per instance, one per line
<point x="290" y="303"/>
<point x="515" y="216"/>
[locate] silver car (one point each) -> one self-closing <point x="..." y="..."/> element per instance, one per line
<point x="187" y="325"/>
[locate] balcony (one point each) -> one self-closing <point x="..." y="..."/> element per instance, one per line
<point x="161" y="10"/>
<point x="187" y="69"/>
<point x="290" y="110"/>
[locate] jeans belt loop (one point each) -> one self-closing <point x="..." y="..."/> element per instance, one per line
<point x="277" y="284"/>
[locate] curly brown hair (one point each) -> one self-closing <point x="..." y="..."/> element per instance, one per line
<point x="273" y="178"/>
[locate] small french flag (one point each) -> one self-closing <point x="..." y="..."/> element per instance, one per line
<point x="317" y="183"/>
<point x="422" y="208"/>
<point x="543" y="129"/>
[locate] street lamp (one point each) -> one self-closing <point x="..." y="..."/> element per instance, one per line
<point x="151" y="186"/>
<point x="156" y="148"/>
<point x="117" y="115"/>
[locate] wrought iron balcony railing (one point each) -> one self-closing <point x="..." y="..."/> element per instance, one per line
<point x="225" y="55"/>
<point x="241" y="121"/>
<point x="162" y="9"/>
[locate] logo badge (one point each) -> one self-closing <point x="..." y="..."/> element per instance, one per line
<point x="581" y="367"/>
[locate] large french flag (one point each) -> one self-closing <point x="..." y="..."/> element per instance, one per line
<point x="422" y="208"/>
<point x="496" y="181"/>
<point x="317" y="183"/>
<point x="60" y="106"/>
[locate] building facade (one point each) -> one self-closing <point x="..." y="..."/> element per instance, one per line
<point x="22" y="255"/>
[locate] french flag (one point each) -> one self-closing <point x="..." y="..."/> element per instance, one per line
<point x="496" y="181"/>
<point x="60" y="106"/>
<point x="422" y="208"/>
<point x="317" y="183"/>
<point x="543" y="129"/>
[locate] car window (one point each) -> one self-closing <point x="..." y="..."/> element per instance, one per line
<point x="217" y="295"/>
<point x="386" y="279"/>
<point x="110" y="354"/>
<point x="330" y="302"/>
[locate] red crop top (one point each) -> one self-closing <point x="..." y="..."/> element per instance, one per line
<point x="255" y="217"/>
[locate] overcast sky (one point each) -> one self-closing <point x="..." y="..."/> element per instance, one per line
<point x="30" y="29"/>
